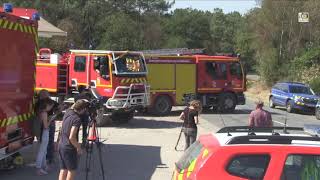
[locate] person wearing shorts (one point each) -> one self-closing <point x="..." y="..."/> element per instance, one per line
<point x="69" y="147"/>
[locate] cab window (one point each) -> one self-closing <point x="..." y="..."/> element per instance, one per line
<point x="249" y="166"/>
<point x="284" y="88"/>
<point x="216" y="70"/>
<point x="101" y="65"/>
<point x="235" y="70"/>
<point x="190" y="154"/>
<point x="301" y="167"/>
<point x="80" y="64"/>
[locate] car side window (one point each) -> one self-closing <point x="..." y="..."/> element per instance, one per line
<point x="284" y="88"/>
<point x="249" y="166"/>
<point x="277" y="87"/>
<point x="301" y="167"/>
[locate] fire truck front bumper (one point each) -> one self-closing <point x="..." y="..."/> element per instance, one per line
<point x="125" y="97"/>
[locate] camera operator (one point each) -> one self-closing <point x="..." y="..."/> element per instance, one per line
<point x="69" y="146"/>
<point x="84" y="117"/>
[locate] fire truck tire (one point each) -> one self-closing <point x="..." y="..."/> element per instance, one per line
<point x="207" y="108"/>
<point x="122" y="117"/>
<point x="227" y="103"/>
<point x="162" y="106"/>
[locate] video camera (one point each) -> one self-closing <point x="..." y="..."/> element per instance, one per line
<point x="94" y="105"/>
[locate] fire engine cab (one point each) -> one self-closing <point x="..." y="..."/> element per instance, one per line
<point x="217" y="81"/>
<point x="118" y="78"/>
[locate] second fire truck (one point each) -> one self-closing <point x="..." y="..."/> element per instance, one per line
<point x="217" y="81"/>
<point x="117" y="78"/>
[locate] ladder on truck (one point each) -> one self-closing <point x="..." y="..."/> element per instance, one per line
<point x="62" y="86"/>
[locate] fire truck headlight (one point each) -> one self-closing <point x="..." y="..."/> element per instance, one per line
<point x="116" y="103"/>
<point x="7" y="7"/>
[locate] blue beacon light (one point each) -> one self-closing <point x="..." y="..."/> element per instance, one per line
<point x="7" y="7"/>
<point x="36" y="16"/>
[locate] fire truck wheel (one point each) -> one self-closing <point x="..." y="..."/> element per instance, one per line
<point x="122" y="117"/>
<point x="162" y="106"/>
<point x="227" y="103"/>
<point x="207" y="108"/>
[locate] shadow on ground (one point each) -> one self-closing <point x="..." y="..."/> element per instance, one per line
<point x="120" y="162"/>
<point x="296" y="111"/>
<point x="123" y="162"/>
<point x="137" y="123"/>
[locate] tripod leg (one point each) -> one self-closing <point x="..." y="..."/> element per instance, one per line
<point x="178" y="139"/>
<point x="100" y="157"/>
<point x="88" y="158"/>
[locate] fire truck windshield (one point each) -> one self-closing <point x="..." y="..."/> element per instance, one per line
<point x="130" y="64"/>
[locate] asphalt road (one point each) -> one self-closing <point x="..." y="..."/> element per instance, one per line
<point x="241" y="115"/>
<point x="143" y="149"/>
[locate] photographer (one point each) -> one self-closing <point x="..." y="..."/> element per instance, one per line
<point x="84" y="117"/>
<point x="69" y="146"/>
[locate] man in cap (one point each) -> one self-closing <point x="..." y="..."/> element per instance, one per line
<point x="260" y="117"/>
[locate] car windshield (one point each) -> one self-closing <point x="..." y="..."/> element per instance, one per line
<point x="130" y="64"/>
<point x="301" y="90"/>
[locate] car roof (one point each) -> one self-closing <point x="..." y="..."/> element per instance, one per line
<point x="243" y="135"/>
<point x="293" y="83"/>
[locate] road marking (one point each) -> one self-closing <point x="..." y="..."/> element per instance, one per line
<point x="279" y="122"/>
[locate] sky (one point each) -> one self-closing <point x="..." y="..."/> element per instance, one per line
<point x="242" y="6"/>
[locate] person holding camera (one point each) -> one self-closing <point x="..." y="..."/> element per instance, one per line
<point x="190" y="116"/>
<point x="69" y="147"/>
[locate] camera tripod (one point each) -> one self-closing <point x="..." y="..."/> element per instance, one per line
<point x="93" y="138"/>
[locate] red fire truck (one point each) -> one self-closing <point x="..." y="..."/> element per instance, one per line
<point x="116" y="77"/>
<point x="217" y="81"/>
<point x="18" y="48"/>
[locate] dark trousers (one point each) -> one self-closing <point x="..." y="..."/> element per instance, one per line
<point x="84" y="122"/>
<point x="84" y="131"/>
<point x="190" y="135"/>
<point x="50" y="148"/>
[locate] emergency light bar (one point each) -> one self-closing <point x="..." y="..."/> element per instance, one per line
<point x="312" y="129"/>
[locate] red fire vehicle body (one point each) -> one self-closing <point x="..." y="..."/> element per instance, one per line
<point x="18" y="48"/>
<point x="118" y="77"/>
<point x="218" y="81"/>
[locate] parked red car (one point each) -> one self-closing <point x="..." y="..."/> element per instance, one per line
<point x="239" y="153"/>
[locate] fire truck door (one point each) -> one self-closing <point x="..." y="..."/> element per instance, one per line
<point x="100" y="72"/>
<point x="79" y="70"/>
<point x="236" y="75"/>
<point x="216" y="76"/>
<point x="185" y="81"/>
